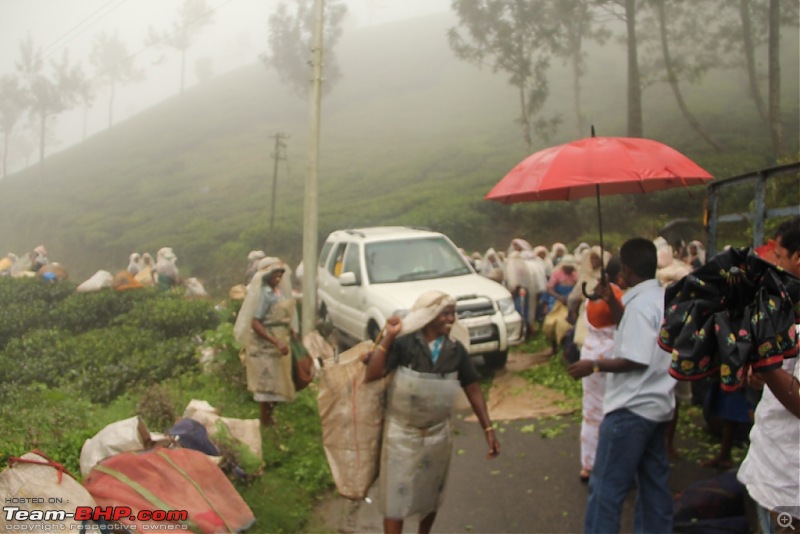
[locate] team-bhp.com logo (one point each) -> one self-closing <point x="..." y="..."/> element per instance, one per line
<point x="94" y="513"/>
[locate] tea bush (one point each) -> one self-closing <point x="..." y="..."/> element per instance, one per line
<point x="24" y="304"/>
<point x="80" y="312"/>
<point x="171" y="315"/>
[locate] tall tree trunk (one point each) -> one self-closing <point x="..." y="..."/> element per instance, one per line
<point x="523" y="119"/>
<point x="5" y="155"/>
<point x="773" y="50"/>
<point x="42" y="131"/>
<point x="635" y="124"/>
<point x="183" y="67"/>
<point x="576" y="87"/>
<point x="750" y="60"/>
<point x="111" y="105"/>
<point x="672" y="78"/>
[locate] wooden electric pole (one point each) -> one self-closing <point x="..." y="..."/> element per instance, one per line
<point x="278" y="154"/>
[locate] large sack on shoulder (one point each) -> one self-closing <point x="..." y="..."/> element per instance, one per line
<point x="174" y="480"/>
<point x="120" y="436"/>
<point x="194" y="288"/>
<point x="351" y="412"/>
<point x="99" y="280"/>
<point x="50" y="485"/>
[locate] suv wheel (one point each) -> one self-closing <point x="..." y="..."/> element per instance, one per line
<point x="496" y="360"/>
<point x="373" y="330"/>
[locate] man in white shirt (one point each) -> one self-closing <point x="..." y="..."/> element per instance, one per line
<point x="771" y="469"/>
<point x="638" y="404"/>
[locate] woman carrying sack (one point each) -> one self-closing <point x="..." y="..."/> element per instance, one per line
<point x="265" y="326"/>
<point x="427" y="352"/>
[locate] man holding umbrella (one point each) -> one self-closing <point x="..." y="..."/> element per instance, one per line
<point x="638" y="404"/>
<point x="771" y="469"/>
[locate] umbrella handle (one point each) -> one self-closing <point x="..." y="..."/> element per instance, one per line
<point x="593" y="296"/>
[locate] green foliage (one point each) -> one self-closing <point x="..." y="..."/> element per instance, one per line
<point x="157" y="407"/>
<point x="80" y="312"/>
<point x="553" y="374"/>
<point x="25" y="303"/>
<point x="55" y="421"/>
<point x="170" y="315"/>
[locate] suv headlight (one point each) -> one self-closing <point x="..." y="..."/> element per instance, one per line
<point x="506" y="306"/>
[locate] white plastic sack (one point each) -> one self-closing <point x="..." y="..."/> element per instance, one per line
<point x="36" y="483"/>
<point x="98" y="281"/>
<point x="120" y="436"/>
<point x="246" y="431"/>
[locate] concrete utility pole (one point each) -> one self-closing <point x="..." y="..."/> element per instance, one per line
<point x="310" y="215"/>
<point x="277" y="155"/>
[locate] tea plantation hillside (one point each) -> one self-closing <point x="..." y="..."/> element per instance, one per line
<point x="410" y="135"/>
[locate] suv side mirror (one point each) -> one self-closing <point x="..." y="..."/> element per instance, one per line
<point x="348" y="279"/>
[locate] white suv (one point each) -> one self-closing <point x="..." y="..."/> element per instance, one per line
<point x="368" y="274"/>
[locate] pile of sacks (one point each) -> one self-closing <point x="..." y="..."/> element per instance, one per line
<point x="126" y="467"/>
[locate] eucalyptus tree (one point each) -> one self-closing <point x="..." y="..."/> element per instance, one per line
<point x="626" y="11"/>
<point x="578" y="22"/>
<point x="50" y="91"/>
<point x="682" y="49"/>
<point x="113" y="65"/>
<point x="13" y="101"/>
<point x="517" y="37"/>
<point x="193" y="17"/>
<point x="289" y="42"/>
<point x="747" y="30"/>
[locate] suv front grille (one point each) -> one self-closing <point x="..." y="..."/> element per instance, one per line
<point x="473" y="306"/>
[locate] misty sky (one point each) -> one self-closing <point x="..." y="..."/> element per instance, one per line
<point x="236" y="37"/>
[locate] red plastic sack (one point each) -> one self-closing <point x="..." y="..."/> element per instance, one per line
<point x="170" y="480"/>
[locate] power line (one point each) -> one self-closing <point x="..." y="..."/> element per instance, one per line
<point x="57" y="44"/>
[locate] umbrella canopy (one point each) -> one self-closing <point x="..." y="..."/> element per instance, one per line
<point x="597" y="166"/>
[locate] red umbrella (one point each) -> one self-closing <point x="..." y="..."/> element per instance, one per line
<point x="597" y="166"/>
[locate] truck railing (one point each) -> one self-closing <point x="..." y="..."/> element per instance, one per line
<point x="760" y="212"/>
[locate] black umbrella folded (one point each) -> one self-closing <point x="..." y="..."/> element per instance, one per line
<point x="734" y="312"/>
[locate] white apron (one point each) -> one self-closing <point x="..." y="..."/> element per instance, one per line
<point x="269" y="373"/>
<point x="416" y="442"/>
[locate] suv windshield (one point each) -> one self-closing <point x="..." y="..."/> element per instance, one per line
<point x="413" y="259"/>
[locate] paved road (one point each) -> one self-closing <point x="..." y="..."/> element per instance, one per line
<point x="532" y="487"/>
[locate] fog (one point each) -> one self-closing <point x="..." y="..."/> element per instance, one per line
<point x="236" y="36"/>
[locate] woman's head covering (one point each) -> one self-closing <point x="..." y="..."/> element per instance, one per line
<point x="40" y="250"/>
<point x="165" y="253"/>
<point x="256" y="255"/>
<point x="134" y="263"/>
<point x="519" y="244"/>
<point x="266" y="266"/>
<point x="147" y="260"/>
<point x="426" y="308"/>
<point x="568" y="261"/>
<point x="588" y="274"/>
<point x="558" y="247"/>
